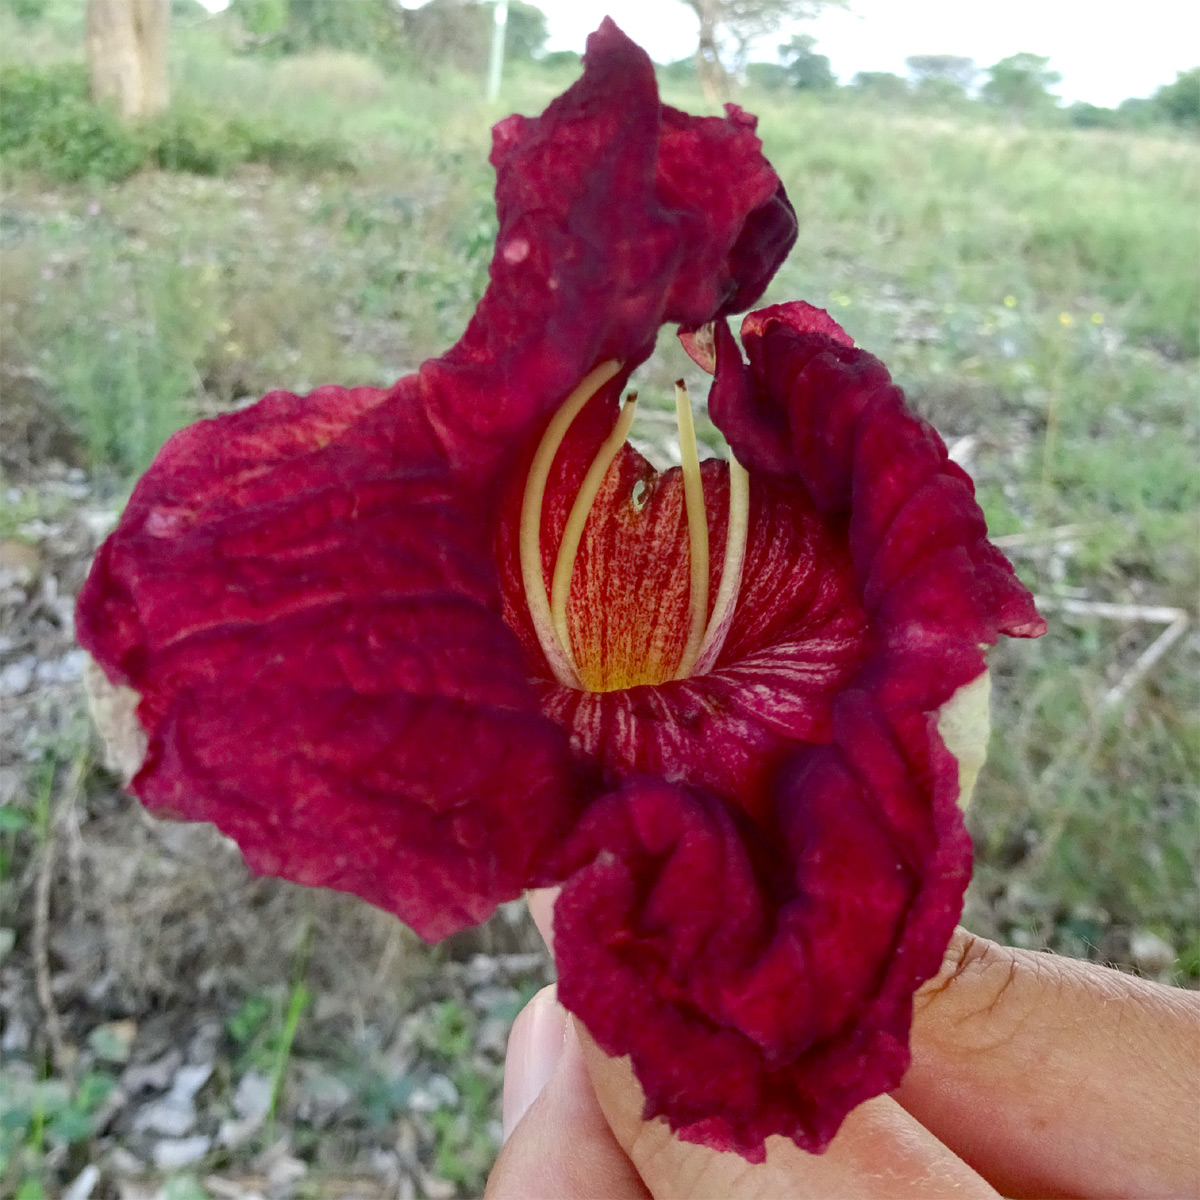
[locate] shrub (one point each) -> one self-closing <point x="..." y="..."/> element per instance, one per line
<point x="197" y="142"/>
<point x="48" y="124"/>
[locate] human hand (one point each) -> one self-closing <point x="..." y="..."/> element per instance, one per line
<point x="1032" y="1075"/>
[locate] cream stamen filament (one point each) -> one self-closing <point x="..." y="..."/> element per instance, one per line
<point x="568" y="549"/>
<point x="530" y="544"/>
<point x="731" y="570"/>
<point x="697" y="519"/>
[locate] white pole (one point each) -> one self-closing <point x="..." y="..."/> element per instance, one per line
<point x="496" y="67"/>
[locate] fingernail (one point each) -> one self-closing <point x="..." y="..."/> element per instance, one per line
<point x="534" y="1048"/>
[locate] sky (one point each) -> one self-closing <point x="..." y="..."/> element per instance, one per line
<point x="1106" y="51"/>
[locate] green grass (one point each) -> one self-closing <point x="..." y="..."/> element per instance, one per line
<point x="1033" y="289"/>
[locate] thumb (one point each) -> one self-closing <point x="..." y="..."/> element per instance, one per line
<point x="880" y="1151"/>
<point x="557" y="1144"/>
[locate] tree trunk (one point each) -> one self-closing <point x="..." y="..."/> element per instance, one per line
<point x="714" y="81"/>
<point x="127" y="54"/>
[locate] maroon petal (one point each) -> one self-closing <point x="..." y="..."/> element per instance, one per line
<point x="322" y="667"/>
<point x="775" y="993"/>
<point x="762" y="979"/>
<point x="304" y="594"/>
<point x="617" y="214"/>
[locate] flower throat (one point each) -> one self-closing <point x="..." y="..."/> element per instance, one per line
<point x="642" y="650"/>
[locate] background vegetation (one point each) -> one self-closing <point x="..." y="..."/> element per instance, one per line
<point x="316" y="205"/>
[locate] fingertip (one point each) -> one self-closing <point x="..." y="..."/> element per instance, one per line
<point x="535" y="1046"/>
<point x="560" y="1143"/>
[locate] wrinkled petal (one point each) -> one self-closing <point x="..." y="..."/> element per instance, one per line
<point x="616" y="214"/>
<point x="322" y="669"/>
<point x="775" y="994"/>
<point x="761" y="978"/>
<point x="304" y="594"/>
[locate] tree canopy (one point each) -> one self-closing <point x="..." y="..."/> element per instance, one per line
<point x="805" y="69"/>
<point x="728" y="27"/>
<point x="1179" y="102"/>
<point x="950" y="68"/>
<point x="1022" y="83"/>
<point x="440" y="33"/>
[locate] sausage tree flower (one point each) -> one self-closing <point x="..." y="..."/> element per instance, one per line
<point x="439" y="643"/>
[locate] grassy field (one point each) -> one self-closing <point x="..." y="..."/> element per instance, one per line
<point x="1034" y="290"/>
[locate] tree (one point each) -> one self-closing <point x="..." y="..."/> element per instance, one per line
<point x="807" y="71"/>
<point x="127" y="54"/>
<point x="1091" y="116"/>
<point x="727" y="27"/>
<point x="294" y="26"/>
<point x="952" y="68"/>
<point x="455" y="33"/>
<point x="1180" y="101"/>
<point x="527" y="30"/>
<point x="1138" y="112"/>
<point x="883" y="85"/>
<point x="1021" y="83"/>
<point x="770" y="77"/>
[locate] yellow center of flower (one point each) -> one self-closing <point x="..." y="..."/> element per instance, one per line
<point x="642" y="652"/>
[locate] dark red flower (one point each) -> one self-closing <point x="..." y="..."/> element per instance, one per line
<point x="427" y="645"/>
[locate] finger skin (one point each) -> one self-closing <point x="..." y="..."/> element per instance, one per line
<point x="881" y="1153"/>
<point x="541" y="909"/>
<point x="562" y="1148"/>
<point x="1053" y="1077"/>
<point x="535" y="1045"/>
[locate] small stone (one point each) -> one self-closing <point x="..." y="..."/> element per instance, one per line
<point x="436" y="1188"/>
<point x="232" y="1134"/>
<point x="17" y="676"/>
<point x="437" y="1093"/>
<point x="84" y="1184"/>
<point x="493" y="1036"/>
<point x="17" y="1035"/>
<point x="175" y="1113"/>
<point x="481" y="970"/>
<point x="170" y="1116"/>
<point x="112" y="1041"/>
<point x="319" y="1097"/>
<point x="125" y="1162"/>
<point x="152" y="1076"/>
<point x="172" y="1153"/>
<point x="190" y="1079"/>
<point x="252" y="1099"/>
<point x="285" y="1171"/>
<point x="68" y="669"/>
<point x="203" y="1049"/>
<point x="1151" y="953"/>
<point x="496" y="999"/>
<point x="19" y="563"/>
<point x="100" y="522"/>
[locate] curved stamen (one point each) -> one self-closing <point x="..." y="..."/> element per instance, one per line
<point x="531" y="520"/>
<point x="693" y="495"/>
<point x="568" y="549"/>
<point x="731" y="571"/>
